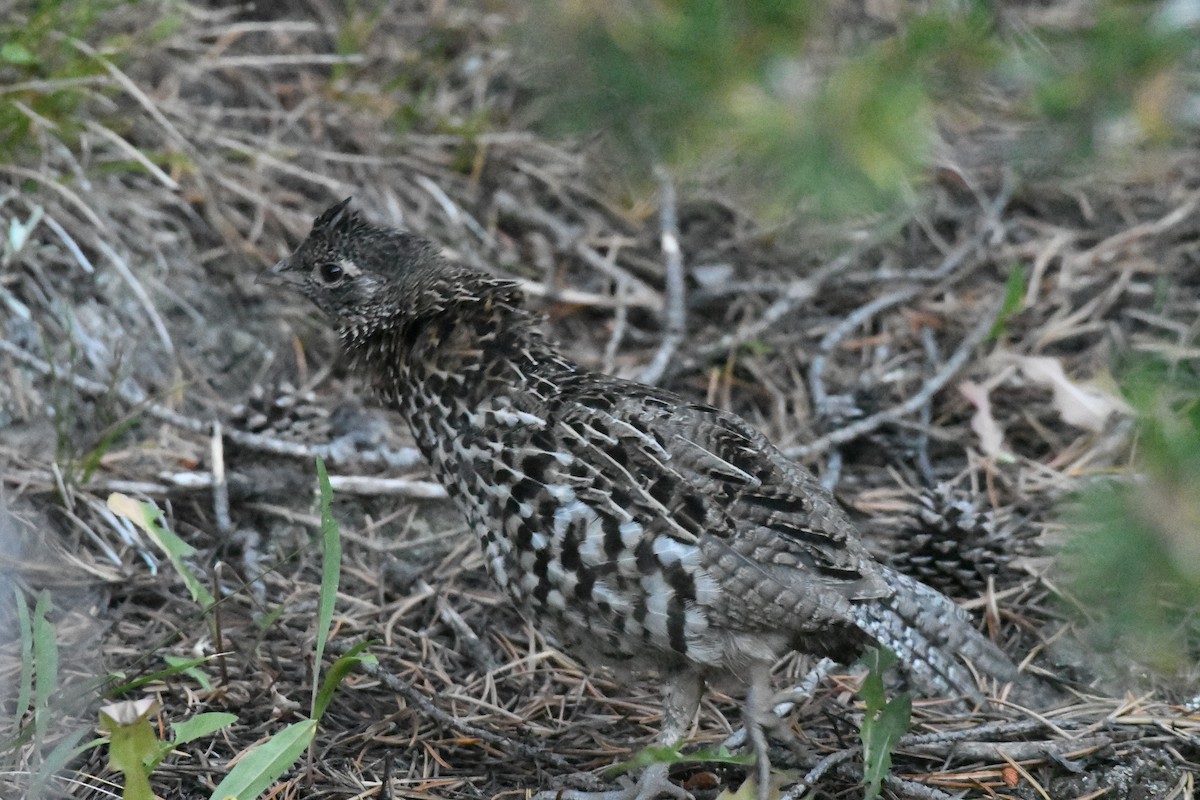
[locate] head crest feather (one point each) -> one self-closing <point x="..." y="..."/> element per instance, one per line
<point x="338" y="218"/>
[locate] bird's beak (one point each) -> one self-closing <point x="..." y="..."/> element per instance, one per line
<point x="281" y="274"/>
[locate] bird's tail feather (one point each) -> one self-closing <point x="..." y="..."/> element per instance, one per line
<point x="933" y="638"/>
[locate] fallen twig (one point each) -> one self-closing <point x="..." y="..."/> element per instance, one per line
<point x="928" y="389"/>
<point x="675" y="311"/>
<point x="427" y="708"/>
<point x="335" y="452"/>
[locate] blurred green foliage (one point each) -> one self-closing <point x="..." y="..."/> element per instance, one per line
<point x="41" y="70"/>
<point x="1133" y="563"/>
<point x="47" y="71"/>
<point x="841" y="114"/>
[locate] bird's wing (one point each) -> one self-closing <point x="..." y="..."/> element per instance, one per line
<point x="700" y="475"/>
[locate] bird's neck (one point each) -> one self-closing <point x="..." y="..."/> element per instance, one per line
<point x="440" y="369"/>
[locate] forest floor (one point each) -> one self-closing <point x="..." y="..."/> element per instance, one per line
<point x="139" y="356"/>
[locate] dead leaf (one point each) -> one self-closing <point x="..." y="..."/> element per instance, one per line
<point x="989" y="431"/>
<point x="1082" y="405"/>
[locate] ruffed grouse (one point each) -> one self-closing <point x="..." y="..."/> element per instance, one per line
<point x="634" y="526"/>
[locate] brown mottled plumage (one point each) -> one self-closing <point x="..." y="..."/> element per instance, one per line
<point x="632" y="525"/>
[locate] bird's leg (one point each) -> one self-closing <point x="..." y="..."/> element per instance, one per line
<point x="785" y="702"/>
<point x="757" y="714"/>
<point x="681" y="698"/>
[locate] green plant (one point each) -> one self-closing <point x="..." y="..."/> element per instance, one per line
<point x="133" y="744"/>
<point x="842" y="127"/>
<point x="46" y="76"/>
<point x="1133" y="563"/>
<point x="884" y="723"/>
<point x="149" y="518"/>
<point x="40" y="698"/>
<point x="260" y="767"/>
<point x="657" y="754"/>
<point x="331" y="570"/>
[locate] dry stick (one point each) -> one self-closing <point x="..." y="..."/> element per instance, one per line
<point x="813" y="775"/>
<point x="1019" y="751"/>
<point x="70" y="244"/>
<point x="169" y="482"/>
<point x="617" y="273"/>
<point x="991" y="729"/>
<point x="564" y="233"/>
<point x="453" y="212"/>
<point x="831" y="340"/>
<point x="620" y="325"/>
<point x="919" y="791"/>
<point x="569" y="238"/>
<point x="798" y="293"/>
<point x="470" y="640"/>
<point x="426" y="707"/>
<point x="675" y="311"/>
<point x="928" y="390"/>
<point x="924" y="464"/>
<point x="404" y="457"/>
<point x="865" y="312"/>
<point x="219" y="484"/>
<point x="922" y="741"/>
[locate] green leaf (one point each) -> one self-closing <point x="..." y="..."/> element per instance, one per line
<point x="16" y="53"/>
<point x="885" y="722"/>
<point x="336" y="674"/>
<point x="66" y="751"/>
<point x="260" y="767"/>
<point x="91" y="460"/>
<point x="25" y="682"/>
<point x="1014" y="300"/>
<point x="877" y="660"/>
<point x="658" y="754"/>
<point x="148" y="517"/>
<point x="879" y="735"/>
<point x="199" y="726"/>
<point x="177" y="665"/>
<point x="45" y="659"/>
<point x="270" y="618"/>
<point x="133" y="746"/>
<point x="189" y="666"/>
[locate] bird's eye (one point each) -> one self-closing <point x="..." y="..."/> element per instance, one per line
<point x="331" y="273"/>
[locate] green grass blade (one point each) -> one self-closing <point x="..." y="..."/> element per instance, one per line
<point x="262" y="766"/>
<point x="337" y="672"/>
<point x="1014" y="300"/>
<point x="67" y="750"/>
<point x="331" y="571"/>
<point x="148" y="517"/>
<point x="177" y="665"/>
<point x="189" y="666"/>
<point x="45" y="659"/>
<point x="200" y="726"/>
<point x="25" y="681"/>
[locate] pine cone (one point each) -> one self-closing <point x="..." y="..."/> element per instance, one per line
<point x="953" y="543"/>
<point x="282" y="411"/>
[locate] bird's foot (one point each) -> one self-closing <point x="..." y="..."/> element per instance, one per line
<point x="652" y="784"/>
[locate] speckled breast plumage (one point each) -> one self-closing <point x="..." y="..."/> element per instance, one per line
<point x="558" y="536"/>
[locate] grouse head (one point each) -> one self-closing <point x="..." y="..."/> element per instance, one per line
<point x="363" y="276"/>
